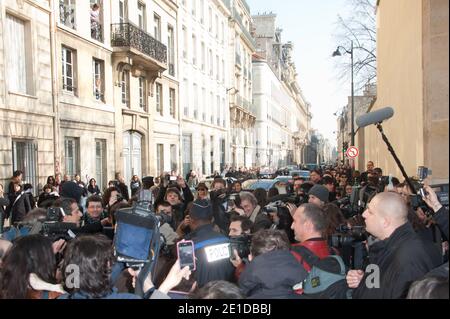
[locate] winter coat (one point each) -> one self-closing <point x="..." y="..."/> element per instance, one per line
<point x="402" y="259"/>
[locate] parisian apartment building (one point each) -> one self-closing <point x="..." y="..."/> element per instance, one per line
<point x="137" y="87"/>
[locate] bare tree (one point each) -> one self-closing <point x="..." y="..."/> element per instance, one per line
<point x="359" y="27"/>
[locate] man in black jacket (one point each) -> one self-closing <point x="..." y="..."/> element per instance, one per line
<point x="398" y="259"/>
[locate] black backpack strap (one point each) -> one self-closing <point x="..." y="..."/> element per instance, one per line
<point x="307" y="255"/>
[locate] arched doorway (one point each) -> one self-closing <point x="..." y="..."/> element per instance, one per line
<point x="132" y="155"/>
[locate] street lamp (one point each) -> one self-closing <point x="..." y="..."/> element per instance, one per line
<point x="338" y="53"/>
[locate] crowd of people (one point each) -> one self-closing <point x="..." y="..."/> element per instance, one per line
<point x="359" y="230"/>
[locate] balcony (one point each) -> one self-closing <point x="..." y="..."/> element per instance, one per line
<point x="242" y="112"/>
<point x="134" y="42"/>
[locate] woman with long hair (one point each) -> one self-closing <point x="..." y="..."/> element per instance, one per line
<point x="28" y="270"/>
<point x="93" y="188"/>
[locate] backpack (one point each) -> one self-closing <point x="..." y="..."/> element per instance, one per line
<point x="326" y="279"/>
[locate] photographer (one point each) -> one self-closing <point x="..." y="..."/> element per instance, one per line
<point x="171" y="192"/>
<point x="240" y="229"/>
<point x="272" y="271"/>
<point x="164" y="212"/>
<point x="310" y="225"/>
<point x="222" y="203"/>
<point x="318" y="195"/>
<point x="400" y="254"/>
<point x="72" y="214"/>
<point x="252" y="210"/>
<point x="4" y="202"/>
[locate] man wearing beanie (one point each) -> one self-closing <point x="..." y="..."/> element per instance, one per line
<point x="318" y="195"/>
<point x="211" y="248"/>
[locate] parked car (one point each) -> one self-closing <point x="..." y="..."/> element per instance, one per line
<point x="267" y="184"/>
<point x="300" y="173"/>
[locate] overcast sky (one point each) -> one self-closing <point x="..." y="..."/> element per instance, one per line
<point x="311" y="26"/>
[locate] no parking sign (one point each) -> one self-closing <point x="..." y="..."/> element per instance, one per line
<point x="352" y="152"/>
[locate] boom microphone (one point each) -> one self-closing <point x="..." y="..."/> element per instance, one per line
<point x="375" y="117"/>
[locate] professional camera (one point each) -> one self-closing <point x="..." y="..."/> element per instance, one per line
<point x="347" y="235"/>
<point x="349" y="242"/>
<point x="241" y="244"/>
<point x="284" y="218"/>
<point x="416" y="200"/>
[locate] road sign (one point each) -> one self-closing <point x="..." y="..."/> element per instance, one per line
<point x="352" y="152"/>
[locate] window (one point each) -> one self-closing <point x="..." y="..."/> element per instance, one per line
<point x="157" y="26"/>
<point x="203" y="108"/>
<point x="217" y="27"/>
<point x="160" y="158"/>
<point x="203" y="56"/>
<point x="159" y="100"/>
<point x="195" y="101"/>
<point x="222" y="32"/>
<point x="211" y="103"/>
<point x="218" y="68"/>
<point x="68" y="70"/>
<point x="223" y="71"/>
<point x="194" y="50"/>
<point x="172" y="104"/>
<point x="203" y="155"/>
<point x="223" y="113"/>
<point x="212" y="152"/>
<point x="185" y="42"/>
<point x="171" y="50"/>
<point x="98" y="76"/>
<point x="24" y="156"/>
<point x="96" y="20"/>
<point x="187" y="153"/>
<point x="210" y="19"/>
<point x="67" y="13"/>
<point x="123" y="11"/>
<point x="142" y="16"/>
<point x="194" y="7"/>
<point x="173" y="158"/>
<point x="18" y="55"/>
<point x="211" y="62"/>
<point x="218" y="111"/>
<point x="186" y="94"/>
<point x="143" y="93"/>
<point x="100" y="163"/>
<point x="125" y="87"/>
<point x="202" y="11"/>
<point x="72" y="155"/>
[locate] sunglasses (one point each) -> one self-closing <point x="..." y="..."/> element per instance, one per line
<point x="202" y="189"/>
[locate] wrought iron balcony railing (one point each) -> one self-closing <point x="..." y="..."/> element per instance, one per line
<point x="129" y="35"/>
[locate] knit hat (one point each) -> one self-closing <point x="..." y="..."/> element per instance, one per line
<point x="321" y="192"/>
<point x="201" y="210"/>
<point x="71" y="190"/>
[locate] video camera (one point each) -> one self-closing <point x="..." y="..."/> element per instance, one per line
<point x="241" y="244"/>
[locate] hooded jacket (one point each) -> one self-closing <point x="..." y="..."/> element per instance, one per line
<point x="272" y="276"/>
<point x="402" y="259"/>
